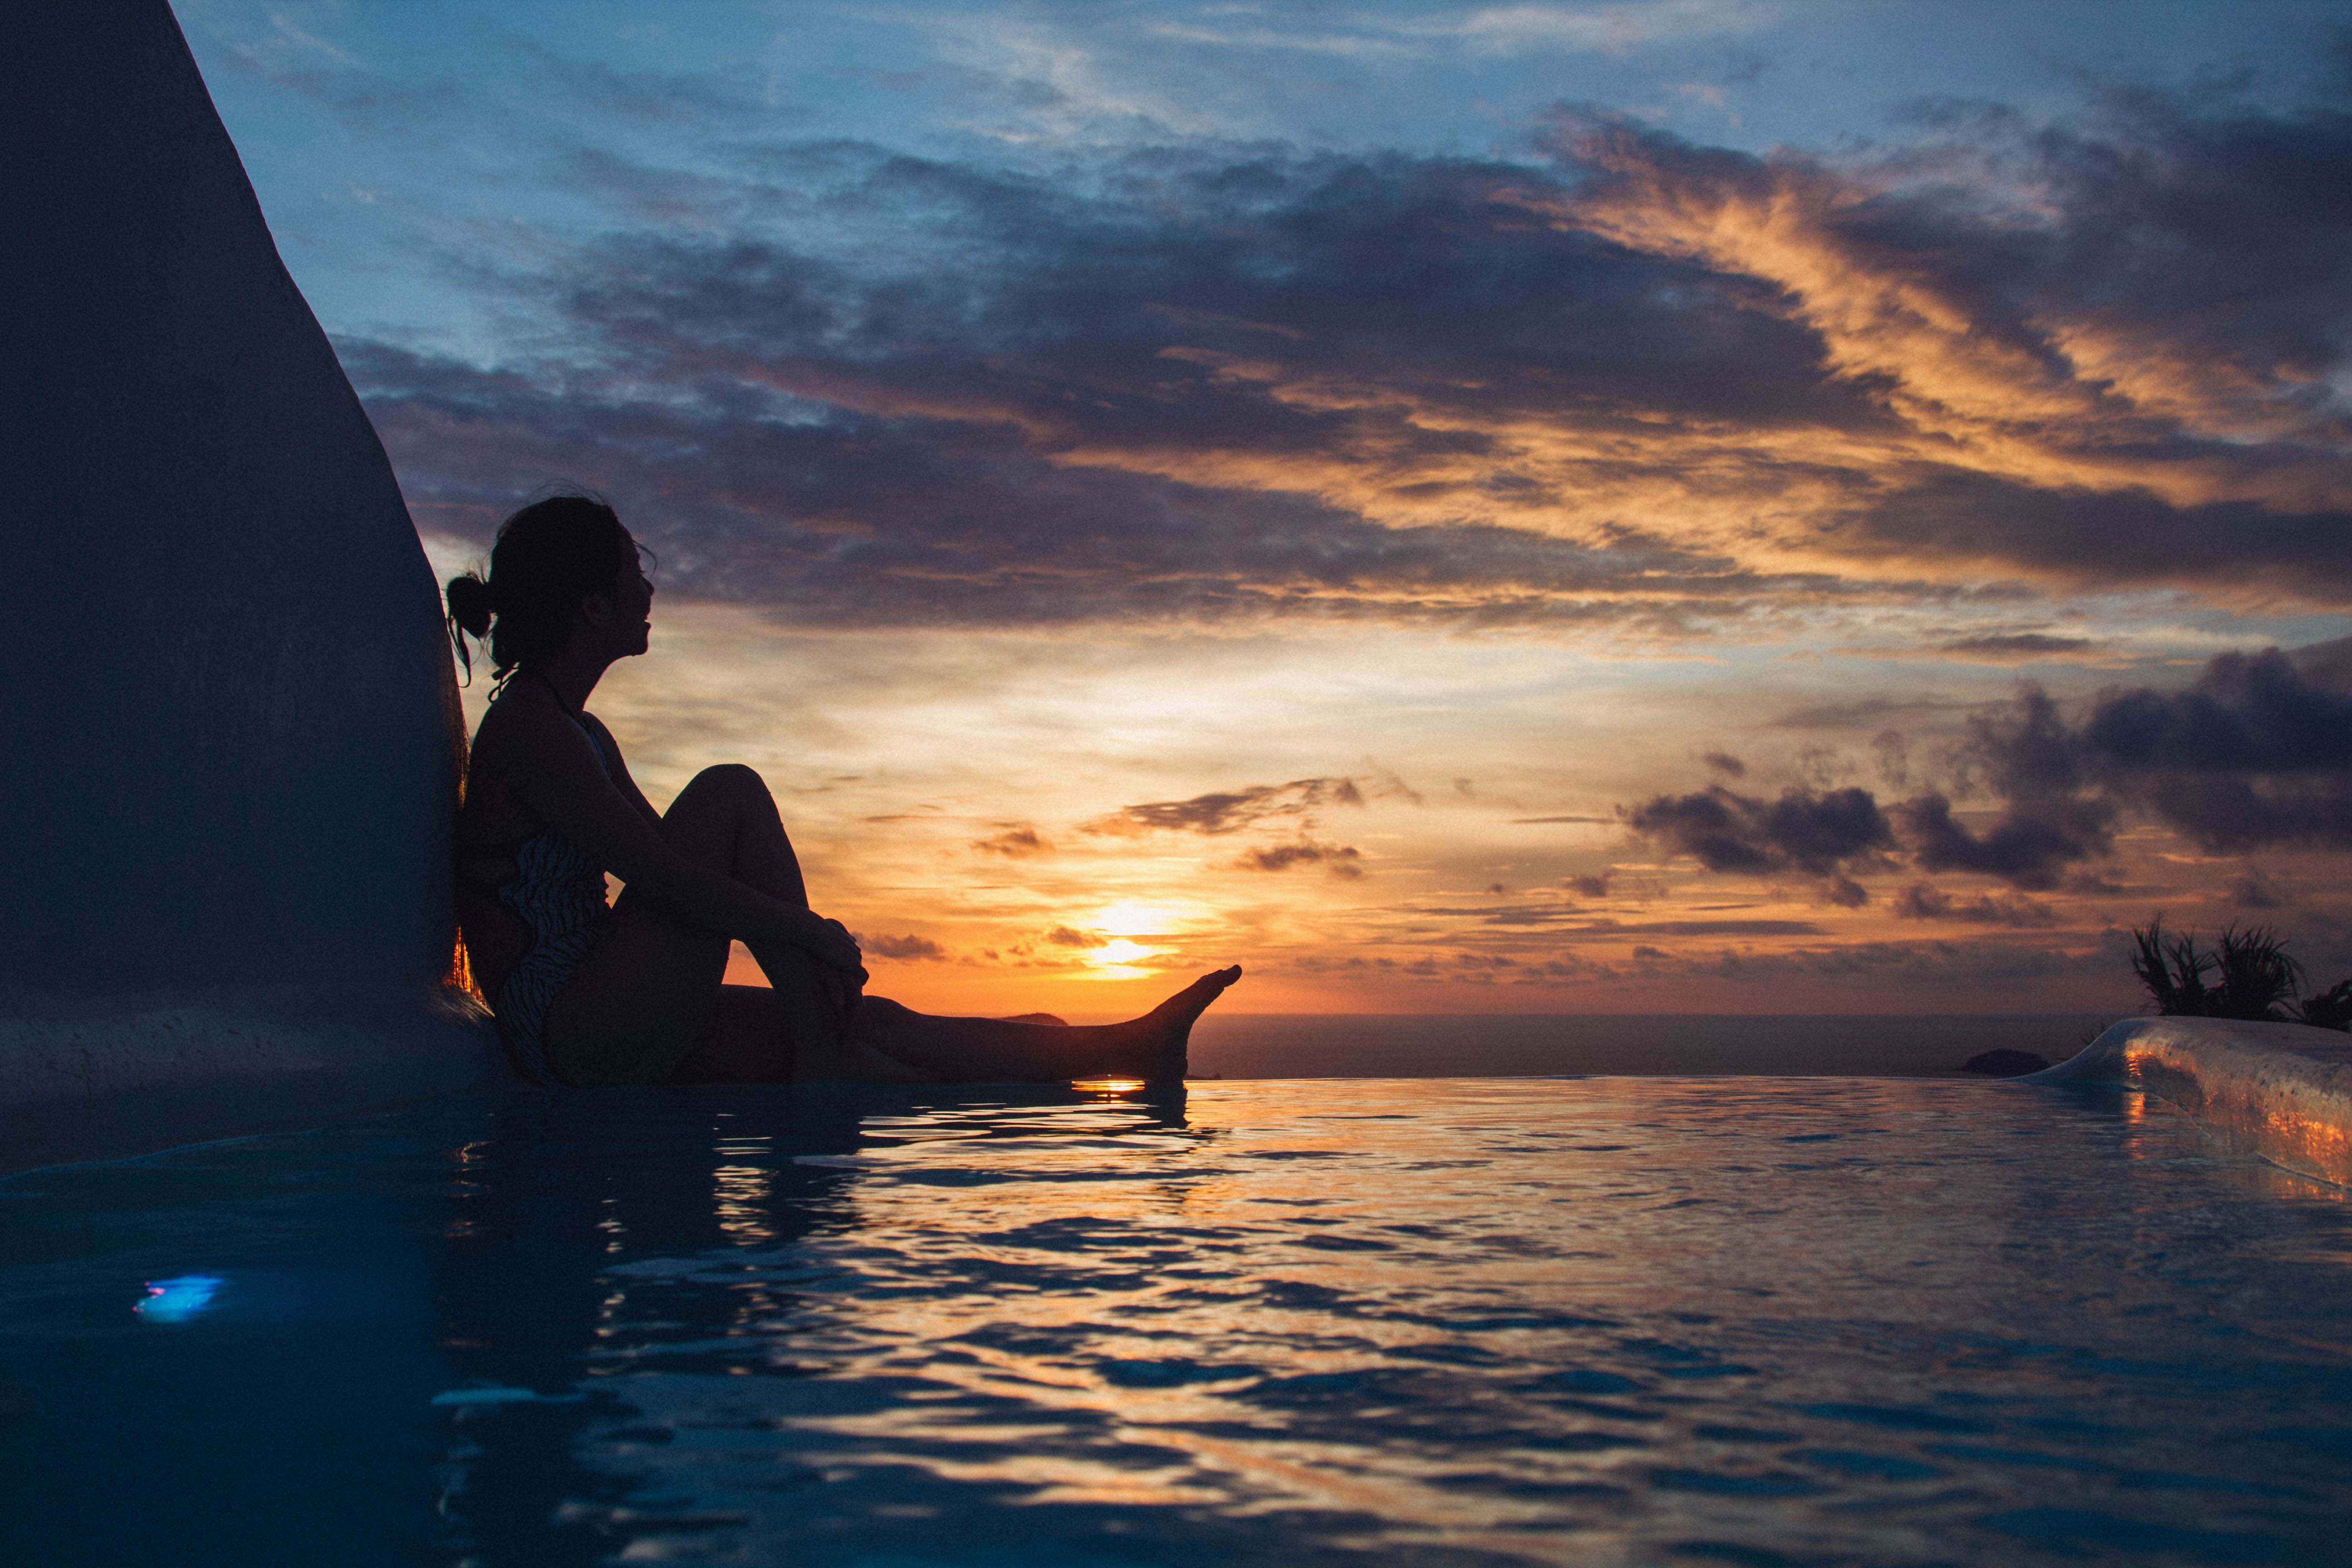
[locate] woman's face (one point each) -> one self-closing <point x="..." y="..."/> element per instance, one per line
<point x="630" y="621"/>
<point x="634" y="599"/>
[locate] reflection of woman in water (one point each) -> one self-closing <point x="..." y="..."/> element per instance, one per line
<point x="631" y="993"/>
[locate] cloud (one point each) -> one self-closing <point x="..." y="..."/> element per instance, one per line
<point x="1214" y="383"/>
<point x="1709" y="928"/>
<point x="2029" y="757"/>
<point x="1591" y="886"/>
<point x="1068" y="936"/>
<point x="1345" y="45"/>
<point x="2045" y="407"/>
<point x="1922" y="901"/>
<point x="2246" y="713"/>
<point x="1726" y="764"/>
<point x="2253" y="890"/>
<point x="1864" y="711"/>
<point x="1816" y="833"/>
<point x="2019" y="647"/>
<point x="2253" y="753"/>
<point x="2029" y="849"/>
<point x="1606" y="28"/>
<point x="1017" y="842"/>
<point x="1338" y="859"/>
<point x="2071" y="532"/>
<point x="1226" y="812"/>
<point x="2326" y="665"/>
<point x="901" y="946"/>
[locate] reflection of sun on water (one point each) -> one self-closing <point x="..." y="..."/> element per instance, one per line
<point x="1107" y="1086"/>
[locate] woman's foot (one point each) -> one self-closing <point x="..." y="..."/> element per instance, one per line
<point x="1162" y="1034"/>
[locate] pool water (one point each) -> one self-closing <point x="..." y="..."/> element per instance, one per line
<point x="1444" y="1322"/>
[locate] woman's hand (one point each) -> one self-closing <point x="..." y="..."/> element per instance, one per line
<point x="833" y="946"/>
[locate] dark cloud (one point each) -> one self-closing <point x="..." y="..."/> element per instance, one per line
<point x="1707" y="927"/>
<point x="2030" y="848"/>
<point x="901" y="946"/>
<point x="2253" y="890"/>
<point x="2254" y="752"/>
<point x="1891" y="749"/>
<point x="1230" y="810"/>
<point x="1244" y="382"/>
<point x="1338" y="859"/>
<point x="2132" y="326"/>
<point x="2326" y="665"/>
<point x="1864" y="711"/>
<point x="1590" y="886"/>
<point x="1844" y="893"/>
<point x="1069" y="936"/>
<point x="1923" y="901"/>
<point x="839" y="517"/>
<point x="2223" y="227"/>
<point x="1816" y="833"/>
<point x="2025" y="753"/>
<point x="1726" y="764"/>
<point x="1010" y="437"/>
<point x="2246" y="714"/>
<point x="2075" y="533"/>
<point x="2017" y="648"/>
<point x="1017" y="842"/>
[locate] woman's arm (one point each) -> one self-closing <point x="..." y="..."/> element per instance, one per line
<point x="560" y="779"/>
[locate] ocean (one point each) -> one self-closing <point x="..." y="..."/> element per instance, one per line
<point x="1542" y="1045"/>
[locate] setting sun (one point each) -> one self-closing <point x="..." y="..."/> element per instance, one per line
<point x="1120" y="957"/>
<point x="1131" y="919"/>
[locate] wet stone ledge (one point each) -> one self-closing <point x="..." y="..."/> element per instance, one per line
<point x="2279" y="1090"/>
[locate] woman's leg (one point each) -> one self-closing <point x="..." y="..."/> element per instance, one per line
<point x="726" y="819"/>
<point x="648" y="1002"/>
<point x="649" y="1005"/>
<point x="1001" y="1051"/>
<point x="740" y="1045"/>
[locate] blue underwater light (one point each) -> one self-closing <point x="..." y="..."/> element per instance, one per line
<point x="177" y="1299"/>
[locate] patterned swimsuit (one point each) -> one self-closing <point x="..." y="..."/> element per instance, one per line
<point x="559" y="896"/>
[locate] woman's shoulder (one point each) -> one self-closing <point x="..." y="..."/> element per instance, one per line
<point x="515" y="727"/>
<point x="526" y="734"/>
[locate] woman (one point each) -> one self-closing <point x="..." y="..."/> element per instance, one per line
<point x="631" y="993"/>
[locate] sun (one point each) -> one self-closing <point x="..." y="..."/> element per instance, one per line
<point x="1131" y="919"/>
<point x="1121" y="957"/>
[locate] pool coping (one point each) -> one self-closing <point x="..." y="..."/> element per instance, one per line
<point x="2279" y="1090"/>
<point x="113" y="1079"/>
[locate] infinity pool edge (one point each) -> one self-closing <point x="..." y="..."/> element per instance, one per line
<point x="110" y="1079"/>
<point x="2279" y="1090"/>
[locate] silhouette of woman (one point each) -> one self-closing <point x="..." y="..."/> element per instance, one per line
<point x="631" y="993"/>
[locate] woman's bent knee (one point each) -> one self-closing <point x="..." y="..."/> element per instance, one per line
<point x="727" y="778"/>
<point x="719" y="798"/>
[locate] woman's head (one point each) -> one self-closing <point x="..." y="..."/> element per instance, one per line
<point x="550" y="559"/>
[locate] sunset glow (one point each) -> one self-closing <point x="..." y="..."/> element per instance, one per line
<point x="1650" y="507"/>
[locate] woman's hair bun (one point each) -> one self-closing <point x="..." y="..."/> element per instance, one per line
<point x="469" y="605"/>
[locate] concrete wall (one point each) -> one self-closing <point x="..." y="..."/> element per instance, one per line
<point x="232" y="730"/>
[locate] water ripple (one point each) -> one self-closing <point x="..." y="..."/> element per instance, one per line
<point x="1468" y="1323"/>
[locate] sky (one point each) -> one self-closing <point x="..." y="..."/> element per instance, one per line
<point x="1656" y="506"/>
